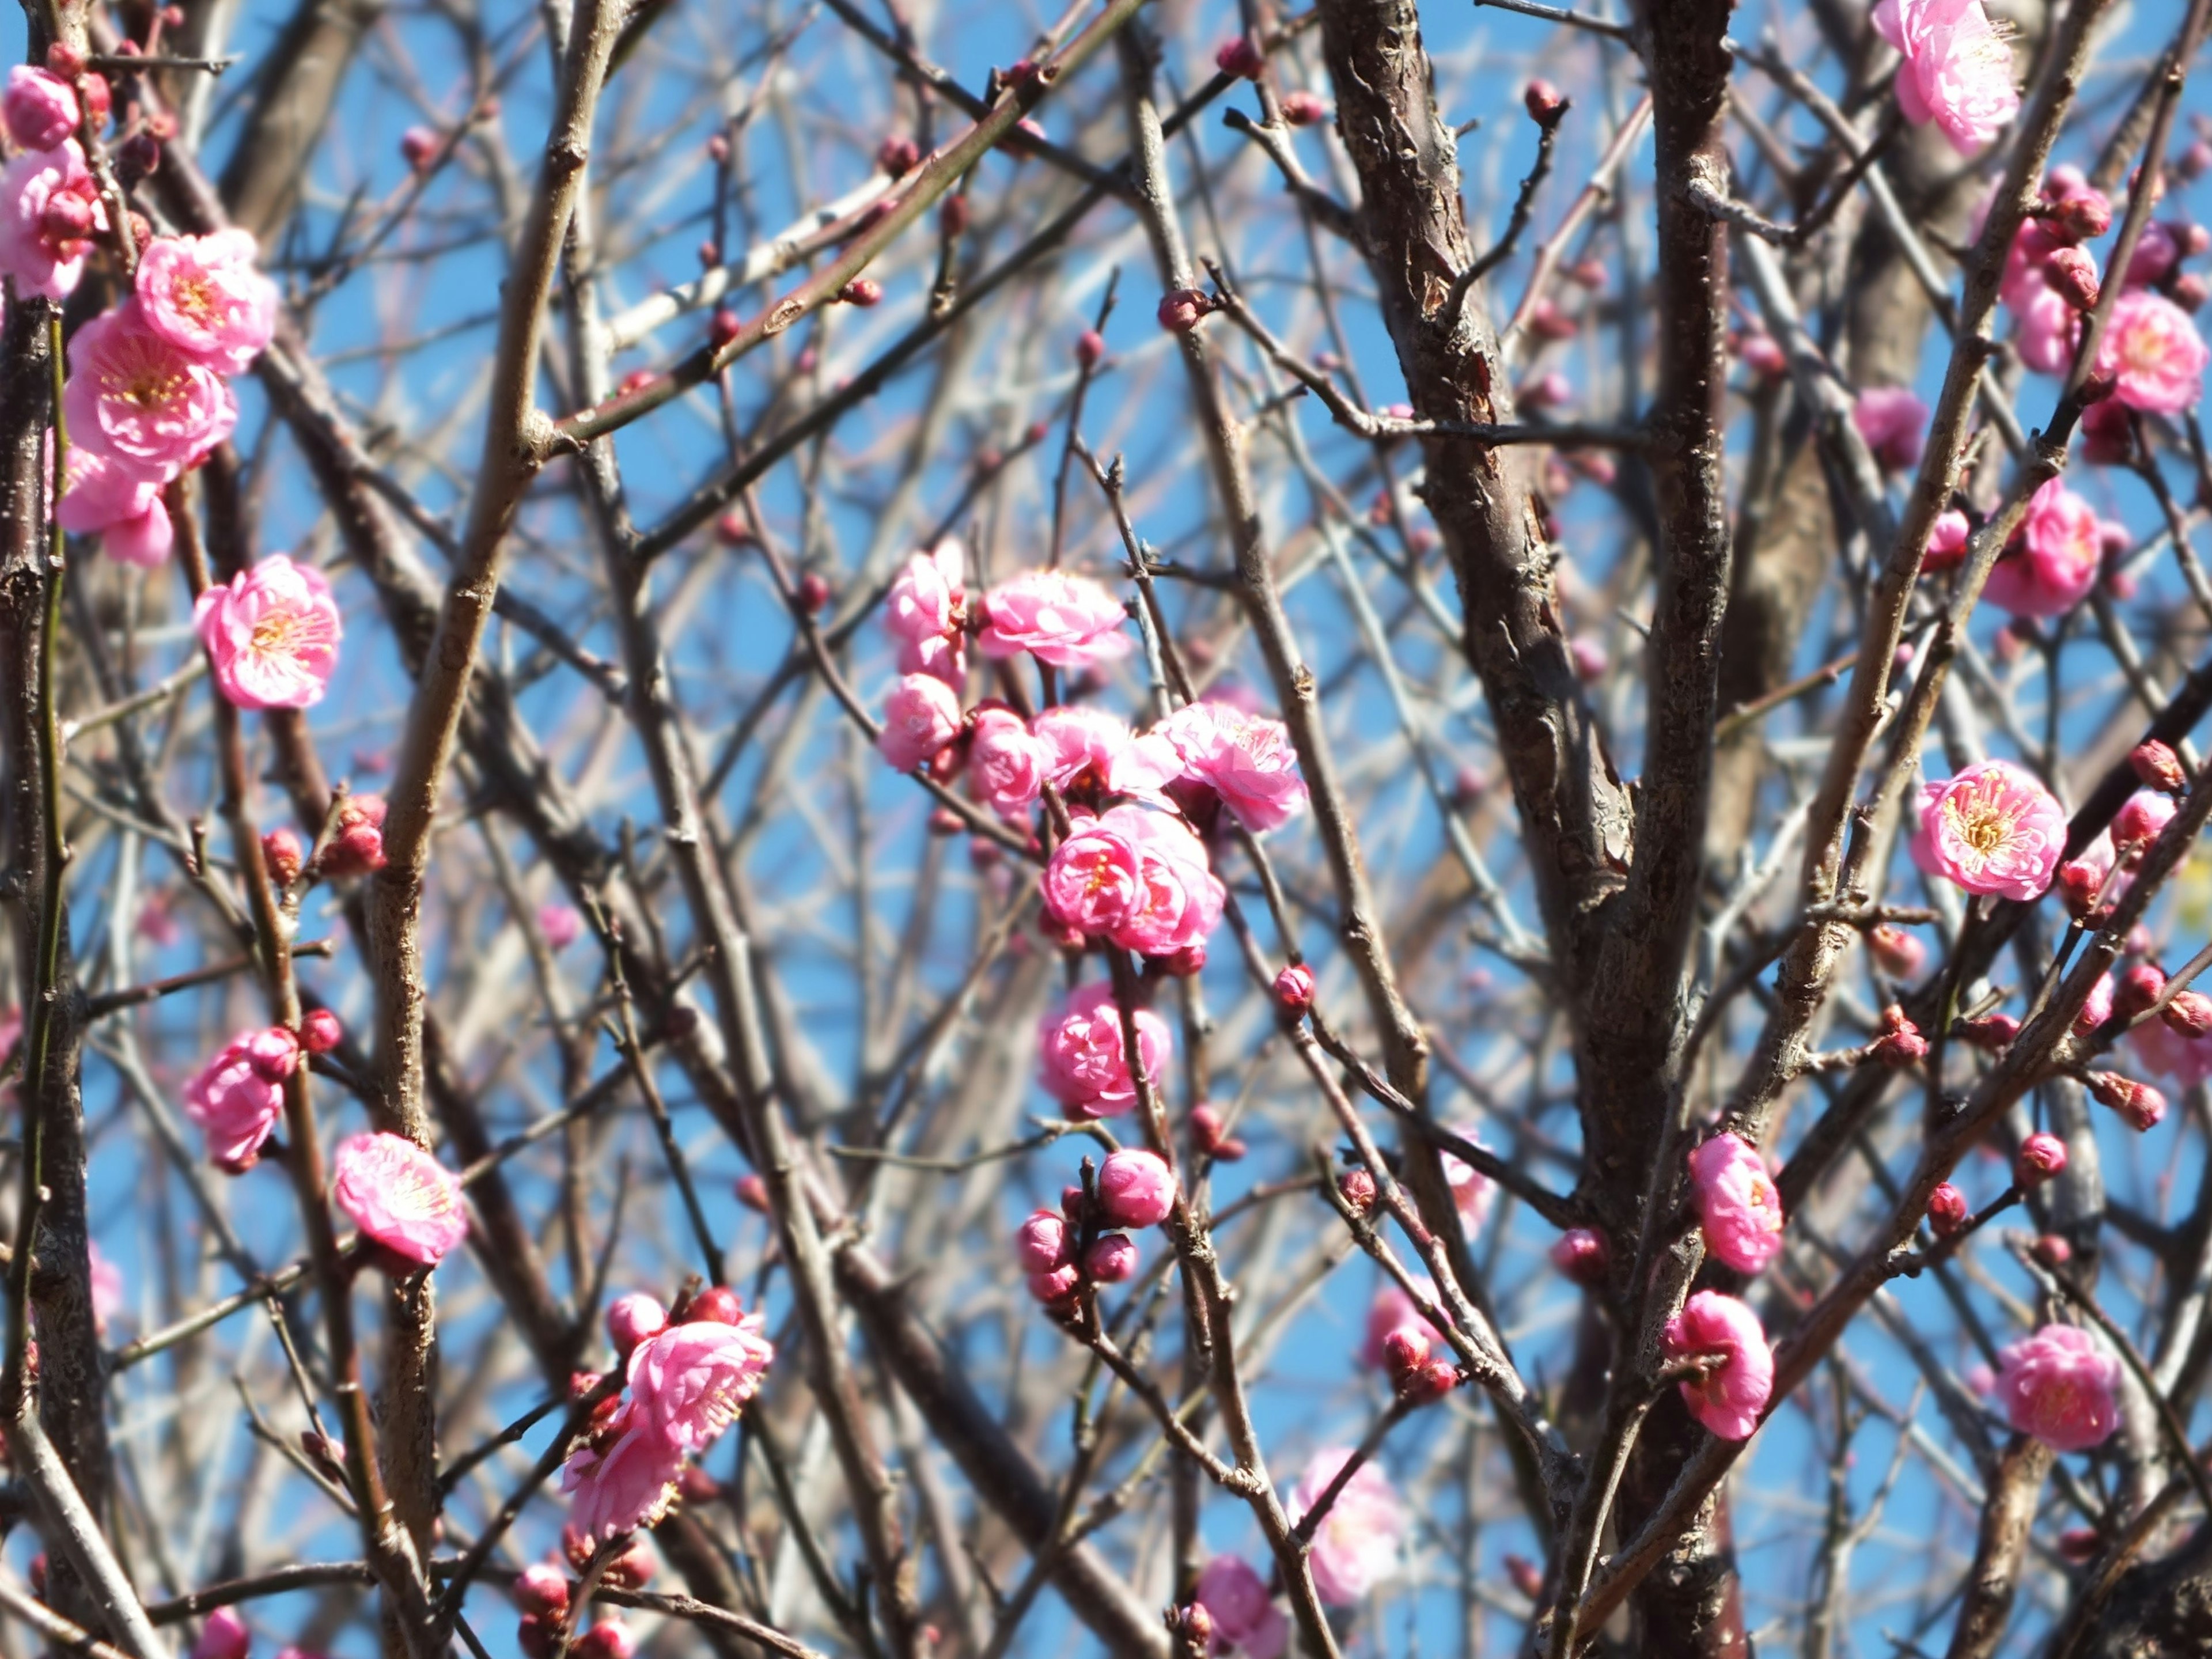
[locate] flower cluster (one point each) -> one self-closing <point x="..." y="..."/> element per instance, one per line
<point x="689" y="1373"/>
<point x="1135" y="1190"/>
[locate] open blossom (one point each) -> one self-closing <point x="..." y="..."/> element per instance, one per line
<point x="1738" y="1205"/>
<point x="39" y="107"/>
<point x="271" y="634"/>
<point x="1993" y="829"/>
<point x="136" y="396"/>
<point x="1246" y="759"/>
<point x="1086" y="749"/>
<point x="1356" y="1544"/>
<point x="122" y="505"/>
<point x="2154" y="352"/>
<point x="237" y="1097"/>
<point x="1729" y="1397"/>
<point x="50" y="211"/>
<point x="399" y="1195"/>
<point x="2060" y="1387"/>
<point x="1084" y="1059"/>
<point x="1245" y="1617"/>
<point x="207" y="294"/>
<point x="1957" y="72"/>
<point x="1006" y="764"/>
<point x="688" y="1382"/>
<point x="1894" y="424"/>
<point x="925" y="612"/>
<point x="920" y="716"/>
<point x="628" y="1485"/>
<point x="1070" y="621"/>
<point x="2050" y="567"/>
<point x="1136" y="876"/>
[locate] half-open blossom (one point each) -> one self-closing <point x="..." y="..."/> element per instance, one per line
<point x="2050" y="566"/>
<point x="235" y="1102"/>
<point x="2154" y="352"/>
<point x="399" y="1195"/>
<point x="271" y="634"/>
<point x="39" y="107"/>
<point x="1082" y="1056"/>
<point x="136" y="396"/>
<point x="1957" y="72"/>
<point x="50" y="211"/>
<point x="1136" y="1189"/>
<point x="1006" y="764"/>
<point x="120" y="503"/>
<point x="2060" y="1387"/>
<point x="1739" y="1208"/>
<point x="925" y="612"/>
<point x="2049" y="329"/>
<point x="1356" y="1544"/>
<point x="1246" y="759"/>
<point x="1894" y="422"/>
<point x="1068" y="621"/>
<point x="630" y="1485"/>
<point x="1993" y="829"/>
<point x="688" y="1382"/>
<point x="920" y="716"/>
<point x="208" y="296"/>
<point x="1739" y="1374"/>
<point x="1391" y="1311"/>
<point x="1244" y="1616"/>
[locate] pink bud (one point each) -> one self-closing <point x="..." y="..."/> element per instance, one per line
<point x="863" y="291"/>
<point x="2082" y="218"/>
<point x="1135" y="1188"/>
<point x="1294" y="988"/>
<point x="1545" y="103"/>
<point x="2190" y="1013"/>
<point x="2041" y="1156"/>
<point x="1527" y="1578"/>
<point x="633" y="1319"/>
<point x="1547" y="322"/>
<point x="2079" y="883"/>
<point x="224" y="1637"/>
<point x="952" y="214"/>
<point x="1303" y="109"/>
<point x="717" y="148"/>
<point x="319" y="1031"/>
<point x="2139" y="987"/>
<point x="534" y="1637"/>
<point x="1182" y="964"/>
<point x="2072" y="273"/>
<point x="1947" y="1211"/>
<point x="898" y="155"/>
<point x="2188" y="290"/>
<point x="1090" y="348"/>
<point x="752" y="1192"/>
<point x="812" y="594"/>
<point x="1590" y="660"/>
<point x="1183" y="309"/>
<point x="1042" y="1242"/>
<point x="274" y="1054"/>
<point x="1901" y="1044"/>
<point x="2140" y="821"/>
<point x="718" y="1305"/>
<point x="1897" y="952"/>
<point x="1580" y="1253"/>
<point x="1405" y="1350"/>
<point x="2082" y="1545"/>
<point x="2159" y="767"/>
<point x="2052" y="1250"/>
<point x="1991" y="1032"/>
<point x="1205" y="1127"/>
<point x="1058" y="1286"/>
<point x="1358" y="1188"/>
<point x="542" y="1588"/>
<point x="1240" y="57"/>
<point x="1762" y="354"/>
<point x="418" y="145"/>
<point x="725" y="327"/>
<point x="1430" y="1383"/>
<point x="1111" y="1257"/>
<point x="731" y="530"/>
<point x="2140" y="1106"/>
<point x="283" y="855"/>
<point x="610" y="1638"/>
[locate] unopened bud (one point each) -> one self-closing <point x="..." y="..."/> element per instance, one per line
<point x="2190" y="1013"/>
<point x="2079" y="883"/>
<point x="752" y="1192"/>
<point x="952" y="214"/>
<point x="542" y="1588"/>
<point x="1527" y="1578"/>
<point x="1183" y="309"/>
<point x="2072" y="273"/>
<point x="282" y="853"/>
<point x="725" y="327"/>
<point x="2052" y="1250"/>
<point x="1111" y="1257"/>
<point x="1580" y="1253"/>
<point x="2140" y="1106"/>
<point x="1429" y="1384"/>
<point x="1090" y="348"/>
<point x="320" y="1032"/>
<point x="1902" y="1043"/>
<point x="1294" y="988"/>
<point x="417" y="146"/>
<point x="1545" y="103"/>
<point x="1898" y="953"/>
<point x="2081" y="218"/>
<point x="2041" y="1156"/>
<point x="1357" y="1187"/>
<point x="1405" y="1350"/>
<point x="862" y="291"/>
<point x="898" y="155"/>
<point x="812" y="594"/>
<point x="1303" y="109"/>
<point x="2159" y="767"/>
<point x="1947" y="1211"/>
<point x="2139" y="987"/>
<point x="1240" y="57"/>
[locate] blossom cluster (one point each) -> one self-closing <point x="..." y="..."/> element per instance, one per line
<point x="689" y="1372"/>
<point x="1087" y="1240"/>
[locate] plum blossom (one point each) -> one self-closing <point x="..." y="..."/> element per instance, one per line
<point x="1729" y="1397"/>
<point x="2186" y="1060"/>
<point x="1739" y="1207"/>
<point x="1088" y="749"/>
<point x="925" y="612"/>
<point x="1006" y="764"/>
<point x="1473" y="1191"/>
<point x="2154" y="352"/>
<point x="207" y="296"/>
<point x="271" y="634"/>
<point x="1245" y="1617"/>
<point x="1139" y="878"/>
<point x="1246" y="759"/>
<point x="1084" y="1059"/>
<point x="237" y="1097"/>
<point x="1993" y="829"/>
<point x="122" y="505"/>
<point x="1067" y="621"/>
<point x="1957" y="72"/>
<point x="39" y="108"/>
<point x="1136" y="1189"/>
<point x="399" y="1195"/>
<point x="920" y="716"/>
<point x="2050" y="567"/>
<point x="136" y="396"/>
<point x="689" y="1382"/>
<point x="1391" y="1311"/>
<point x="630" y="1485"/>
<point x="1894" y="424"/>
<point x="1356" y="1544"/>
<point x="561" y="925"/>
<point x="50" y="211"/>
<point x="2058" y="1385"/>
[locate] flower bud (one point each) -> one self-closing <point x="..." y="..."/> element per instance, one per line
<point x="2052" y="1250"/>
<point x="1058" y="1286"/>
<point x="863" y="291"/>
<point x="610" y="1638"/>
<point x="2041" y="1156"/>
<point x="2072" y="273"/>
<point x="1947" y="1211"/>
<point x="2159" y="767"/>
<point x="1190" y="960"/>
<point x="1042" y="1242"/>
<point x="1429" y="1384"/>
<point x="898" y="155"/>
<point x="812" y="594"/>
<point x="2081" y="218"/>
<point x="1240" y="57"/>
<point x="2188" y="291"/>
<point x="542" y="1588"/>
<point x="1762" y="354"/>
<point x="534" y="1637"/>
<point x="2143" y="818"/>
<point x="274" y="1054"/>
<point x="2082" y="1545"/>
<point x="1183" y="309"/>
<point x="1992" y="1032"/>
<point x="952" y="214"/>
<point x="1527" y="1578"/>
<point x="2140" y="1106"/>
<point x="1547" y="322"/>
<point x="1111" y="1257"/>
<point x="1590" y="658"/>
<point x="319" y="1031"/>
<point x="1294" y="988"/>
<point x="1303" y="109"/>
<point x="1357" y="1187"/>
<point x="1580" y="1254"/>
<point x="1405" y="1351"/>
<point x="2190" y="1013"/>
<point x="1191" y="1627"/>
<point x="1898" y="953"/>
<point x="1206" y="1127"/>
<point x="1135" y="1188"/>
<point x="633" y="1319"/>
<point x="283" y="855"/>
<point x="717" y="1304"/>
<point x="1902" y="1043"/>
<point x="418" y="147"/>
<point x="723" y="327"/>
<point x="224" y="1637"/>
<point x="1545" y="103"/>
<point x="752" y="1192"/>
<point x="1090" y="348"/>
<point x="2139" y="987"/>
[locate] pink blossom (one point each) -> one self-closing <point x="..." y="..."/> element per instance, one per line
<point x="2152" y="351"/>
<point x="560" y="924"/>
<point x="1946" y="542"/>
<point x="1006" y="764"/>
<point x="235" y="1103"/>
<point x="1087" y="749"/>
<point x="1356" y="1544"/>
<point x="50" y="211"/>
<point x="271" y="634"/>
<point x="1084" y="1061"/>
<point x="925" y="612"/>
<point x="920" y="718"/>
<point x="1042" y="1242"/>
<point x="1957" y="71"/>
<point x="103" y="495"/>
<point x="2186" y="1060"/>
<point x="1245" y="1617"/>
<point x="1473" y="1191"/>
<point x="2050" y="567"/>
<point x="1136" y="1189"/>
<point x="1136" y="876"/>
<point x="136" y="396"/>
<point x="1070" y="621"/>
<point x="399" y="1195"/>
<point x="688" y="1382"/>
<point x="1392" y="1311"/>
<point x="2099" y="1007"/>
<point x="2050" y="328"/>
<point x="224" y="1637"/>
<point x="1246" y="759"/>
<point x="1728" y="1399"/>
<point x="1739" y="1207"/>
<point x="2060" y="1387"/>
<point x="206" y="294"/>
<point x="1894" y="424"/>
<point x="39" y="108"/>
<point x="630" y="1486"/>
<point x="1993" y="829"/>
